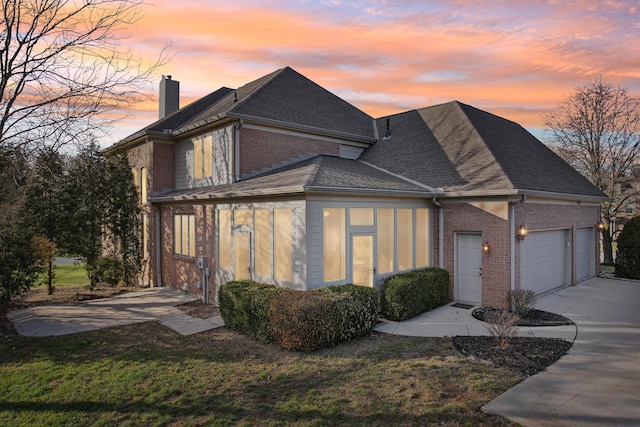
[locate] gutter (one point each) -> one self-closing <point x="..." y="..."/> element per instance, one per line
<point x="512" y="241"/>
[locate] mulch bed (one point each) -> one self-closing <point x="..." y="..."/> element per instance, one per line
<point x="526" y="355"/>
<point x="533" y="318"/>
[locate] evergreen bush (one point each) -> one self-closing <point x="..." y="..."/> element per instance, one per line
<point x="406" y="295"/>
<point x="628" y="255"/>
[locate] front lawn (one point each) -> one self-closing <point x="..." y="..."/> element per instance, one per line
<point x="146" y="374"/>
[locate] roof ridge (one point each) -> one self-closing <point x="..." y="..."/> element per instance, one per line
<point x="485" y="145"/>
<point x="269" y="79"/>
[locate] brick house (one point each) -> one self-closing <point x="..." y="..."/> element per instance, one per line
<point x="283" y="182"/>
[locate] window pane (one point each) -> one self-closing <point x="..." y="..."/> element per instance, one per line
<point x="242" y="217"/>
<point x="361" y="216"/>
<point x="405" y="240"/>
<point x="145" y="247"/>
<point x="177" y="235"/>
<point x="185" y="235"/>
<point x="208" y="155"/>
<point x="224" y="238"/>
<point x="334" y="244"/>
<point x="143" y="185"/>
<point x="192" y="235"/>
<point x="242" y="244"/>
<point x="197" y="158"/>
<point x="385" y="240"/>
<point x="282" y="244"/>
<point x="422" y="237"/>
<point x="263" y="242"/>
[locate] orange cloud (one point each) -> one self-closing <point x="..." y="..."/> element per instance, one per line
<point x="516" y="61"/>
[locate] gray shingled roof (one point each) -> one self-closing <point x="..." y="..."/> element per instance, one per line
<point x="462" y="149"/>
<point x="320" y="173"/>
<point x="283" y="97"/>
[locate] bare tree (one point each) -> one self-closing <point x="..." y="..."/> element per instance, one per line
<point x="64" y="66"/>
<point x="597" y="130"/>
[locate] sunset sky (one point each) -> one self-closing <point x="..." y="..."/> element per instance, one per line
<point x="514" y="59"/>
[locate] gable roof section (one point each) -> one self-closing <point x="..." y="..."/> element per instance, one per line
<point x="320" y="174"/>
<point x="527" y="162"/>
<point x="178" y="118"/>
<point x="462" y="149"/>
<point x="288" y="99"/>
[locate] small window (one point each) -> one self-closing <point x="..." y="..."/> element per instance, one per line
<point x="422" y="238"/>
<point x="242" y="217"/>
<point x="143" y="185"/>
<point x="184" y="235"/>
<point x="361" y="216"/>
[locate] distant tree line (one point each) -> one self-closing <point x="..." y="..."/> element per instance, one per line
<point x="80" y="205"/>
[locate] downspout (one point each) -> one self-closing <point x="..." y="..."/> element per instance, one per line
<point x="158" y="247"/>
<point x="236" y="134"/>
<point x="512" y="241"/>
<point x="440" y="232"/>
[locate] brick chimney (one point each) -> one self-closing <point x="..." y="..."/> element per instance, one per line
<point x="169" y="96"/>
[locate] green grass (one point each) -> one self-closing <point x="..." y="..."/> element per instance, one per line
<point x="67" y="275"/>
<point x="148" y="375"/>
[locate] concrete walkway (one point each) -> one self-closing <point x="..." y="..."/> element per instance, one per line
<point x="132" y="307"/>
<point x="598" y="382"/>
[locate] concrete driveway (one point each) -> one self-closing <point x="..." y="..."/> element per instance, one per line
<point x="598" y="382"/>
<point x="132" y="307"/>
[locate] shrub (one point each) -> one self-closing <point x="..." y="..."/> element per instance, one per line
<point x="503" y="325"/>
<point x="628" y="255"/>
<point x="309" y="320"/>
<point x="408" y="294"/>
<point x="521" y="301"/>
<point x="244" y="306"/>
<point x="109" y="270"/>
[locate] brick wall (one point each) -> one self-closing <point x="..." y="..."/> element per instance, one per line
<point x="176" y="269"/>
<point x="491" y="221"/>
<point x="260" y="149"/>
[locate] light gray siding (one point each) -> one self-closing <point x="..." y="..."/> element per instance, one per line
<point x="184" y="165"/>
<point x="350" y="152"/>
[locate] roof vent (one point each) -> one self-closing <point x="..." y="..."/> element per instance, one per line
<point x="387" y="134"/>
<point x="169" y="96"/>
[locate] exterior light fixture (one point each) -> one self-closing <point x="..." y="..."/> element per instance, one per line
<point x="600" y="225"/>
<point x="486" y="247"/>
<point x="522" y="232"/>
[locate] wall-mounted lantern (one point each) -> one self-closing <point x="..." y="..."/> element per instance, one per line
<point x="600" y="225"/>
<point x="522" y="232"/>
<point x="485" y="247"/>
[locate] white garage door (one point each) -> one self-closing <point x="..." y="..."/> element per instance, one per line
<point x="585" y="253"/>
<point x="543" y="260"/>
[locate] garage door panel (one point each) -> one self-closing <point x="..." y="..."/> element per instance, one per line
<point x="585" y="254"/>
<point x="543" y="260"/>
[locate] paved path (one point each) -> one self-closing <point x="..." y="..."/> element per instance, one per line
<point x="132" y="307"/>
<point x="598" y="382"/>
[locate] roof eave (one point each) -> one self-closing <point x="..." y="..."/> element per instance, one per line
<point x="532" y="193"/>
<point x="303" y="128"/>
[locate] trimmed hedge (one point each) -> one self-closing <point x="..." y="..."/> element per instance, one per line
<point x="628" y="255"/>
<point x="408" y="294"/>
<point x="309" y="320"/>
<point x="299" y="320"/>
<point x="244" y="304"/>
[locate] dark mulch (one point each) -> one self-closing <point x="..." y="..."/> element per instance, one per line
<point x="526" y="355"/>
<point x="533" y="318"/>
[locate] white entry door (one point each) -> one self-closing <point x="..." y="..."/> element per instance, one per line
<point x="468" y="278"/>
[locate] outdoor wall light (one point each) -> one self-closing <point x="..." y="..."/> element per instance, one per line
<point x="522" y="232"/>
<point x="600" y="225"/>
<point x="486" y="247"/>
